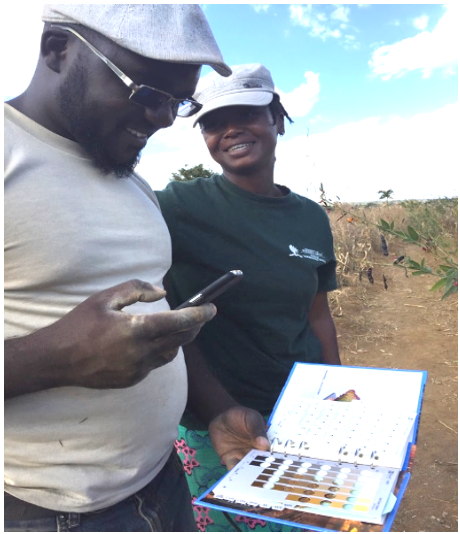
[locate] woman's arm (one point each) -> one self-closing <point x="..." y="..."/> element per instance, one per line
<point x="234" y="429"/>
<point x="323" y="327"/>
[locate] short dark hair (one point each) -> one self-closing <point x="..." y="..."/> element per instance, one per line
<point x="276" y="108"/>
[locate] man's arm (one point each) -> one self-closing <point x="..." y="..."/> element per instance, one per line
<point x="33" y="364"/>
<point x="323" y="327"/>
<point x="98" y="345"/>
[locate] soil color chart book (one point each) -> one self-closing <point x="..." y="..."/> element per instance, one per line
<point x="342" y="444"/>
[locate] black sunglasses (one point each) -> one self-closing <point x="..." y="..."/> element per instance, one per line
<point x="144" y="95"/>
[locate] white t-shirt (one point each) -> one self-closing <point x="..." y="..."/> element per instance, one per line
<point x="69" y="233"/>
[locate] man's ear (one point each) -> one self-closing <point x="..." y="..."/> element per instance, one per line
<point x="280" y="123"/>
<point x="53" y="48"/>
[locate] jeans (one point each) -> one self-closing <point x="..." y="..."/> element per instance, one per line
<point x="164" y="505"/>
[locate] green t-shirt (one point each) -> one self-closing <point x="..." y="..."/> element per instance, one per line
<point x="284" y="248"/>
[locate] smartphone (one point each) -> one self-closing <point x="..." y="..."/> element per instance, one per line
<point x="213" y="290"/>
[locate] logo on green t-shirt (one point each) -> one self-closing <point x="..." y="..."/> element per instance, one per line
<point x="307" y="253"/>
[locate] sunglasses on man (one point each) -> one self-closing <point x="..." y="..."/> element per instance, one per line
<point x="144" y="95"/>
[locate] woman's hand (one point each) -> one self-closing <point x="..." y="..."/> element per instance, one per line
<point x="235" y="432"/>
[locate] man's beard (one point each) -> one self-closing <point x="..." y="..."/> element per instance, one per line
<point x="71" y="98"/>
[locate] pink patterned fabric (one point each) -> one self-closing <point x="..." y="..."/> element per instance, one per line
<point x="201" y="516"/>
<point x="251" y="522"/>
<point x="188" y="461"/>
<point x="203" y="469"/>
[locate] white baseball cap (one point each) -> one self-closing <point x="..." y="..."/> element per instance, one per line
<point x="248" y="85"/>
<point x="177" y="33"/>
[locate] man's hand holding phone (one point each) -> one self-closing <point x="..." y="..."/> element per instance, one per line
<point x="98" y="345"/>
<point x="125" y="347"/>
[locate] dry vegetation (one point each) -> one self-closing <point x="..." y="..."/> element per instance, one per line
<point x="397" y="322"/>
<point x="358" y="240"/>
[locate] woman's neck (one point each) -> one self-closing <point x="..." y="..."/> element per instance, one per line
<point x="260" y="184"/>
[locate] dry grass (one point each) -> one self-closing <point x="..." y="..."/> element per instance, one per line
<point x="358" y="249"/>
<point x="353" y="310"/>
<point x="358" y="241"/>
<point x="406" y="327"/>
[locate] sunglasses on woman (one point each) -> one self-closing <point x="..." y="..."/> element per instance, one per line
<point x="144" y="95"/>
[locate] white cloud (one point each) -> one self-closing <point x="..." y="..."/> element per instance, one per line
<point x="415" y="157"/>
<point x="426" y="51"/>
<point x="378" y="44"/>
<point x="449" y="71"/>
<point x="420" y="22"/>
<point x="171" y="149"/>
<point x="260" y="7"/>
<point x="317" y="21"/>
<point x="19" y="66"/>
<point x="300" y="101"/>
<point x="341" y="13"/>
<point x="302" y="14"/>
<point x="350" y="42"/>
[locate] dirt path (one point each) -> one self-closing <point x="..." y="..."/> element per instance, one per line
<point x="408" y="327"/>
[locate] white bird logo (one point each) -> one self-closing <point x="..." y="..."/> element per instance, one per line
<point x="294" y="250"/>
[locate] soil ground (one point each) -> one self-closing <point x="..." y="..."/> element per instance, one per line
<point x="408" y="327"/>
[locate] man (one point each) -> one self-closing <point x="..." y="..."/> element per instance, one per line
<point x="95" y="380"/>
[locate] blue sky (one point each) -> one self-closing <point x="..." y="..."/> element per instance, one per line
<point x="372" y="88"/>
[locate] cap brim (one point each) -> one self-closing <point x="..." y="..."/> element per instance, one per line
<point x="246" y="98"/>
<point x="221" y="68"/>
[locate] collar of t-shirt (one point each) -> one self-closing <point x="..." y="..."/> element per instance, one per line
<point x="230" y="187"/>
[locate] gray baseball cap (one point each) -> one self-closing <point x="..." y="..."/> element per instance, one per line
<point x="248" y="85"/>
<point x="178" y="33"/>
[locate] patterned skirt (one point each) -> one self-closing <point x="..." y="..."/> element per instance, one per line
<point x="203" y="469"/>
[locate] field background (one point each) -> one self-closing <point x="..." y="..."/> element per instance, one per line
<point x="405" y="326"/>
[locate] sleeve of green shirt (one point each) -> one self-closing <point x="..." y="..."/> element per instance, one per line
<point x="169" y="208"/>
<point x="327" y="280"/>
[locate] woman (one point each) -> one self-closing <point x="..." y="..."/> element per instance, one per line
<point x="278" y="314"/>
